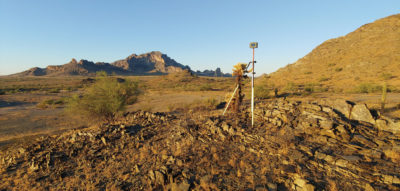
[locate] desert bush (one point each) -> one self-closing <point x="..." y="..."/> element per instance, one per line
<point x="368" y="88"/>
<point x="261" y="92"/>
<point x="309" y="88"/>
<point x="323" y="79"/>
<point x="50" y="103"/>
<point x="171" y="107"/>
<point x="205" y="87"/>
<point x="290" y="86"/>
<point x="393" y="89"/>
<point x="338" y="69"/>
<point x="320" y="89"/>
<point x="212" y="102"/>
<point x="386" y="76"/>
<point x="54" y="90"/>
<point x="104" y="99"/>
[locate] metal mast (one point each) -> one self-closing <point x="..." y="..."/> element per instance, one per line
<point x="253" y="45"/>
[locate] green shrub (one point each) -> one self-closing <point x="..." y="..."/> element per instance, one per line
<point x="261" y="92"/>
<point x="291" y="87"/>
<point x="50" y="103"/>
<point x="386" y="76"/>
<point x="212" y="102"/>
<point x="331" y="64"/>
<point x="320" y="89"/>
<point x="338" y="69"/>
<point x="205" y="87"/>
<point x="54" y="90"/>
<point x="104" y="99"/>
<point x="323" y="79"/>
<point x="309" y="88"/>
<point x="368" y="88"/>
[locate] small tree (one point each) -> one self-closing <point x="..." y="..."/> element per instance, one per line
<point x="239" y="71"/>
<point x="104" y="99"/>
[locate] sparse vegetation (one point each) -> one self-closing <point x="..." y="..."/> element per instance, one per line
<point x="185" y="81"/>
<point x="54" y="90"/>
<point x="323" y="79"/>
<point x="338" y="69"/>
<point x="211" y="103"/>
<point x="50" y="103"/>
<point x="309" y="88"/>
<point x="386" y="76"/>
<point x="261" y="92"/>
<point x="368" y="88"/>
<point x="205" y="87"/>
<point x="105" y="99"/>
<point x="331" y="64"/>
<point x="291" y="87"/>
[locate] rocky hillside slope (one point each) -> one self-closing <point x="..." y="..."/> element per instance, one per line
<point x="322" y="145"/>
<point x="149" y="63"/>
<point x="370" y="54"/>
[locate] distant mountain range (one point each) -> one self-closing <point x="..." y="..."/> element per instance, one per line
<point x="370" y="54"/>
<point x="152" y="63"/>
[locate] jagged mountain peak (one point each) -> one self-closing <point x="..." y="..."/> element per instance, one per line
<point x="153" y="62"/>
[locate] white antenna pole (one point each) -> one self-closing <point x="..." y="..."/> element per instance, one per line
<point x="252" y="94"/>
<point x="253" y="45"/>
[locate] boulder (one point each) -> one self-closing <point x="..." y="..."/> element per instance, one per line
<point x="387" y="124"/>
<point x="342" y="106"/>
<point x="361" y="113"/>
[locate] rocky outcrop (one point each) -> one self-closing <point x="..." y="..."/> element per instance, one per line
<point x="153" y="62"/>
<point x="293" y="146"/>
<point x="36" y="71"/>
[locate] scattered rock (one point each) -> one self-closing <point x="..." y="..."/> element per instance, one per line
<point x="104" y="140"/>
<point x="292" y="147"/>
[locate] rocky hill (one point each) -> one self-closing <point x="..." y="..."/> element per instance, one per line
<point x="324" y="145"/>
<point x="370" y="54"/>
<point x="83" y="67"/>
<point x="152" y="63"/>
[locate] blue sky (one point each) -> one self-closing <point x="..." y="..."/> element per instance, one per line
<point x="202" y="34"/>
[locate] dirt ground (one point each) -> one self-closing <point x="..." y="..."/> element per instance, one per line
<point x="21" y="119"/>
